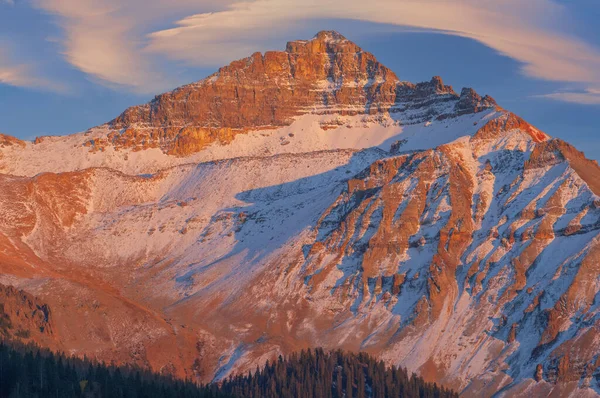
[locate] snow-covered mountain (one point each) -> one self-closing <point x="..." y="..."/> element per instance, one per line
<point x="311" y="198"/>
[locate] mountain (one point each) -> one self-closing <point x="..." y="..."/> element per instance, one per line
<point x="310" y="198"/>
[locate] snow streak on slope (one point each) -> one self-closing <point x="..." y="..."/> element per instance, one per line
<point x="472" y="258"/>
<point x="432" y="249"/>
<point x="307" y="133"/>
<point x="432" y="229"/>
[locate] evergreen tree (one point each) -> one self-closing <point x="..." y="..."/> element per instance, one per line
<point x="28" y="371"/>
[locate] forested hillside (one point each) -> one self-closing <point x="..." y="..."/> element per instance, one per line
<point x="316" y="373"/>
<point x="28" y="371"/>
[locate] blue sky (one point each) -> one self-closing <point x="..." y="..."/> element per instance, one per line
<point x="67" y="65"/>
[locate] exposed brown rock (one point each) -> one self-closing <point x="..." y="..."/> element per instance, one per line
<point x="508" y="122"/>
<point x="512" y="335"/>
<point x="572" y="229"/>
<point x="327" y="74"/>
<point x="23" y="316"/>
<point x="555" y="151"/>
<point x="534" y="304"/>
<point x="455" y="236"/>
<point x="577" y="299"/>
<point x="434" y="86"/>
<point x="7" y="140"/>
<point x="539" y="372"/>
<point x="471" y="102"/>
<point x="261" y="90"/>
<point x="397" y="283"/>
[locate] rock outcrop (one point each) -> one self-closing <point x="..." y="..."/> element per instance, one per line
<point x="7" y="140"/>
<point x="327" y="74"/>
<point x="308" y="197"/>
<point x="23" y="316"/>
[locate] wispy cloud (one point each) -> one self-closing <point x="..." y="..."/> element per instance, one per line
<point x="587" y="97"/>
<point x="16" y="75"/>
<point x="113" y="41"/>
<point x="105" y="38"/>
<point x="99" y="41"/>
<point x="522" y="30"/>
<point x="19" y="74"/>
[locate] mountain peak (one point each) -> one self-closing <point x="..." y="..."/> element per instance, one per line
<point x="329" y="36"/>
<point x="323" y="75"/>
<point x="312" y="190"/>
<point x="470" y="101"/>
<point x="434" y="86"/>
<point x="326" y="41"/>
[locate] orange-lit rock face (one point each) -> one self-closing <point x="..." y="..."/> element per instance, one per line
<point x="7" y="140"/>
<point x="381" y="217"/>
<point x="464" y="246"/>
<point x="495" y="127"/>
<point x="24" y="317"/>
<point x="262" y="90"/>
<point x="269" y="89"/>
<point x="421" y="235"/>
<point x="327" y="74"/>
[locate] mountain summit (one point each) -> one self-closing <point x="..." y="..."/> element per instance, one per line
<point x="325" y="74"/>
<point x="304" y="198"/>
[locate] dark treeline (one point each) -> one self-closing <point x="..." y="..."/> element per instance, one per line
<point x="316" y="373"/>
<point x="29" y="371"/>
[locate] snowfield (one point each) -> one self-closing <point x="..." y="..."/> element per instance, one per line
<point x="455" y="240"/>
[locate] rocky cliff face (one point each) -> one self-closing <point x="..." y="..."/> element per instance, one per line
<point x="263" y="90"/>
<point x="309" y="197"/>
<point x="421" y="235"/>
<point x="327" y="74"/>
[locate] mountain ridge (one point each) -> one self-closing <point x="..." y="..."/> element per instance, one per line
<point x="326" y="71"/>
<point x="385" y="216"/>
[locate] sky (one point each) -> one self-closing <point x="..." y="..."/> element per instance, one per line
<point x="67" y="65"/>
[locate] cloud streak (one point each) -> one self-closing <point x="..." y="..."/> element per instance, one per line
<point x="18" y="74"/>
<point x="99" y="42"/>
<point x="105" y="39"/>
<point x="520" y="30"/>
<point x="115" y="43"/>
<point x="587" y="97"/>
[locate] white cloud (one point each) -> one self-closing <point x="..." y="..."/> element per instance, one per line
<point x="588" y="97"/>
<point x="104" y="39"/>
<point x="522" y="30"/>
<point x="112" y="40"/>
<point x="98" y="41"/>
<point x="19" y="74"/>
<point x="15" y="75"/>
<point x="22" y="75"/>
